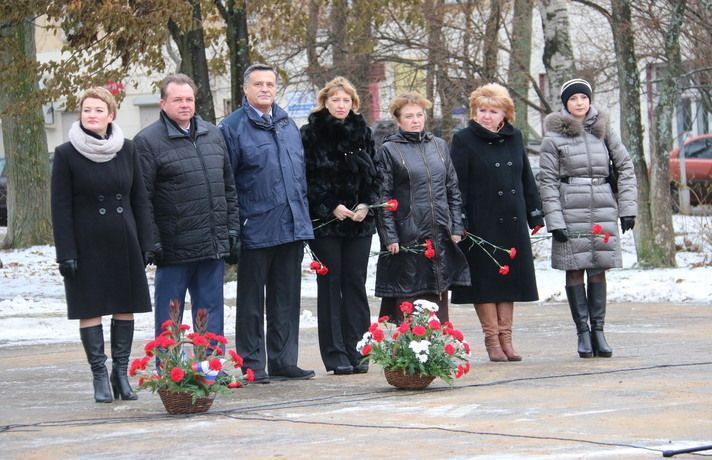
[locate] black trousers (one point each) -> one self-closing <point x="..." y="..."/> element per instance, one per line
<point x="342" y="303"/>
<point x="277" y="270"/>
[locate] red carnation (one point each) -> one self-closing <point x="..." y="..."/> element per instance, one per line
<point x="449" y="349"/>
<point x="250" y="374"/>
<point x="323" y="270"/>
<point x="391" y="205"/>
<point x="315" y="265"/>
<point x="606" y="237"/>
<point x="235" y="384"/>
<point x="404" y="327"/>
<point x="406" y="307"/>
<point x="237" y="359"/>
<point x="166" y="324"/>
<point x="140" y="381"/>
<point x="428" y="244"/>
<point x="378" y="335"/>
<point x="596" y="229"/>
<point x="384" y="319"/>
<point x="366" y="350"/>
<point x="215" y="364"/>
<point x="184" y="327"/>
<point x="429" y="253"/>
<point x="395" y="335"/>
<point x="512" y="253"/>
<point x="466" y="346"/>
<point x="504" y="270"/>
<point x="460" y="371"/>
<point x="372" y="327"/>
<point x="419" y="331"/>
<point x="199" y="340"/>
<point x="434" y="324"/>
<point x="177" y="374"/>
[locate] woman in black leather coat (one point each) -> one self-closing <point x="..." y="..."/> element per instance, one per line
<point x="416" y="170"/>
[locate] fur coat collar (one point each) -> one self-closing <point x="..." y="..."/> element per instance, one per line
<point x="564" y="124"/>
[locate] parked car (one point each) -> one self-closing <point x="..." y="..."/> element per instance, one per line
<point x="698" y="170"/>
<point x="3" y="194"/>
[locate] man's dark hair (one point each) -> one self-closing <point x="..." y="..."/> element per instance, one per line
<point x="256" y="67"/>
<point x="179" y="79"/>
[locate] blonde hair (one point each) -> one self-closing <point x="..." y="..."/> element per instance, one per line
<point x="338" y="84"/>
<point x="103" y="94"/>
<point x="492" y="95"/>
<point x="411" y="97"/>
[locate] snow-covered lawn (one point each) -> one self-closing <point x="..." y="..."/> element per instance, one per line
<point x="33" y="310"/>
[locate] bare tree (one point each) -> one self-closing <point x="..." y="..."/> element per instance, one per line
<point x="234" y="13"/>
<point x="24" y="138"/>
<point x="520" y="61"/>
<point x="558" y="56"/>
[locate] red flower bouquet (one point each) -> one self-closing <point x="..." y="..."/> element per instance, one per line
<point x="421" y="345"/>
<point x="200" y="373"/>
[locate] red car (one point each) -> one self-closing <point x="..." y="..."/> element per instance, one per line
<point x="698" y="169"/>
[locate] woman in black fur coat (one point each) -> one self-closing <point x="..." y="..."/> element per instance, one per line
<point x="342" y="182"/>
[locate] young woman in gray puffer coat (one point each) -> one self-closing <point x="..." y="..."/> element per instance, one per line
<point x="576" y="195"/>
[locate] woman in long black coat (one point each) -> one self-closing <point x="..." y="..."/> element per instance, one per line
<point x="416" y="170"/>
<point x="500" y="198"/>
<point x="341" y="183"/>
<point x="100" y="218"/>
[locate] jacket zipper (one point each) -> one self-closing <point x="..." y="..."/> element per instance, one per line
<point x="213" y="231"/>
<point x="432" y="212"/>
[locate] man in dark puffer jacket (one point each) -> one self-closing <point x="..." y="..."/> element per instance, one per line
<point x="192" y="193"/>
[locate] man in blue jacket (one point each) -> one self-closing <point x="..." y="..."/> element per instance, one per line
<point x="268" y="163"/>
<point x="192" y="194"/>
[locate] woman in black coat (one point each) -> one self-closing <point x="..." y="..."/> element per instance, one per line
<point x="341" y="184"/>
<point x="416" y="170"/>
<point x="101" y="226"/>
<point x="500" y="198"/>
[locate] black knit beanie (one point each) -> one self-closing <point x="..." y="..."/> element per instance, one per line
<point x="571" y="87"/>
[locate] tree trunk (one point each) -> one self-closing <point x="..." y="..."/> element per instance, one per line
<point x="668" y="92"/>
<point x="234" y="13"/>
<point x="558" y="57"/>
<point x="630" y="124"/>
<point x="491" y="46"/>
<point x="519" y="63"/>
<point x="24" y="140"/>
<point x="194" y="63"/>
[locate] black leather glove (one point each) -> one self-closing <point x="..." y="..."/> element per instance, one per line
<point x="68" y="268"/>
<point x="561" y="235"/>
<point x="234" y="255"/>
<point x="627" y="223"/>
<point x="149" y="258"/>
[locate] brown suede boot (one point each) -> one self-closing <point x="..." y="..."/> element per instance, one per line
<point x="505" y="315"/>
<point x="487" y="313"/>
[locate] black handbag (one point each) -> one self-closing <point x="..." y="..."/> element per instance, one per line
<point x="612" y="178"/>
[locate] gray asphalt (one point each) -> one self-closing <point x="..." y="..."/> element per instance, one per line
<point x="655" y="394"/>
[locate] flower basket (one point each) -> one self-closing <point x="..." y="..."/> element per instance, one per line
<point x="401" y="380"/>
<point x="182" y="402"/>
<point x="418" y="350"/>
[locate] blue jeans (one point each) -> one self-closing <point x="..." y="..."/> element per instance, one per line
<point x="203" y="280"/>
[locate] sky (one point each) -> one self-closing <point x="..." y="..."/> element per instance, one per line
<point x="33" y="309"/>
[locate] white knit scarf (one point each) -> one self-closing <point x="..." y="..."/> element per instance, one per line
<point x="97" y="150"/>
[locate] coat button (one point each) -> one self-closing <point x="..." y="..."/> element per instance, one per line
<point x="119" y="196"/>
<point x="119" y="209"/>
<point x="501" y="220"/>
<point x="102" y="211"/>
<point x="496" y="165"/>
<point x="514" y="191"/>
<point x="509" y="163"/>
<point x="514" y="219"/>
<point x="500" y="193"/>
<point x="100" y="198"/>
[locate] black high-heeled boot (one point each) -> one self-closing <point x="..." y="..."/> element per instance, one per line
<point x="121" y="339"/>
<point x="597" y="311"/>
<point x="93" y="341"/>
<point x="579" y="312"/>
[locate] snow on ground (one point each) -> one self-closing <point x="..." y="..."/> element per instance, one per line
<point x="33" y="309"/>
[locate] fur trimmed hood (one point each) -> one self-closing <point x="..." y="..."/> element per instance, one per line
<point x="565" y="125"/>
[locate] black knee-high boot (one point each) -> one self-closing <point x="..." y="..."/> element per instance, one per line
<point x="121" y="339"/>
<point x="579" y="312"/>
<point x="597" y="311"/>
<point x="93" y="341"/>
